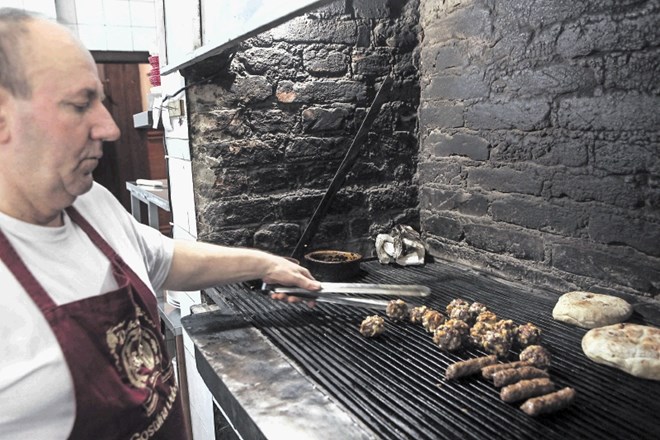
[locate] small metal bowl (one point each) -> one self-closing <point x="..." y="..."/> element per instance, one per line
<point x="333" y="265"/>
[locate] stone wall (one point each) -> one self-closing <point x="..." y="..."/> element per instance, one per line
<point x="270" y="130"/>
<point x="539" y="135"/>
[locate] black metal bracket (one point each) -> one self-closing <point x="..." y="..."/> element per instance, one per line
<point x="342" y="171"/>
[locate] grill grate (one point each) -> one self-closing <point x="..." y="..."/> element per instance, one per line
<point x="395" y="383"/>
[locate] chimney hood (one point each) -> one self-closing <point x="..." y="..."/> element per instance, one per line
<point x="219" y="26"/>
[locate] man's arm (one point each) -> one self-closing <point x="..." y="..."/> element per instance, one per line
<point x="197" y="265"/>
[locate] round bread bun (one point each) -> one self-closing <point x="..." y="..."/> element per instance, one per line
<point x="632" y="348"/>
<point x="591" y="310"/>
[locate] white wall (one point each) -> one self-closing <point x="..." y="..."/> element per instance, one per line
<point x="121" y="25"/>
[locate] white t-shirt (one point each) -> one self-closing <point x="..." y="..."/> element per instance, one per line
<point x="36" y="388"/>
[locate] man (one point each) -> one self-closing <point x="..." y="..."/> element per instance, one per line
<point x="80" y="352"/>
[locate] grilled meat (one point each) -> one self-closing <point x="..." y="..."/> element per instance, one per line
<point x="416" y="314"/>
<point x="458" y="302"/>
<point x="478" y="332"/>
<point x="469" y="367"/>
<point x="528" y="334"/>
<point x="461" y="311"/>
<point x="496" y="342"/>
<point x="536" y="355"/>
<point x="549" y="402"/>
<point x="487" y="316"/>
<point x="526" y="389"/>
<point x="513" y="375"/>
<point x="451" y="335"/>
<point x="507" y="329"/>
<point x="432" y="319"/>
<point x="475" y="309"/>
<point x="372" y="326"/>
<point x="397" y="309"/>
<point x="487" y="372"/>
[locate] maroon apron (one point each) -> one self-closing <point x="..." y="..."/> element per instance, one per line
<point x="123" y="379"/>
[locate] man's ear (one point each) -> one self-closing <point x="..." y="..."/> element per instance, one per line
<point x="5" y="98"/>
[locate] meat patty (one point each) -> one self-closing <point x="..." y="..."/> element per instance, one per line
<point x="487" y="316"/>
<point x="536" y="355"/>
<point x="496" y="342"/>
<point x="397" y="309"/>
<point x="475" y="309"/>
<point x="458" y="302"/>
<point x="451" y="335"/>
<point x="528" y="334"/>
<point x="416" y="314"/>
<point x="432" y="319"/>
<point x="478" y="332"/>
<point x="372" y="326"/>
<point x="461" y="312"/>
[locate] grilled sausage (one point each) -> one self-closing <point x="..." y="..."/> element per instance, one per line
<point x="526" y="389"/>
<point x="513" y="375"/>
<point x="487" y="372"/>
<point x="471" y="366"/>
<point x="549" y="403"/>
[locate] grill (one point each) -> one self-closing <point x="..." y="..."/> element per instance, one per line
<point x="395" y="384"/>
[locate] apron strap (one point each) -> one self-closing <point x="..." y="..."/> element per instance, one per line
<point x="120" y="269"/>
<point x="96" y="238"/>
<point x="17" y="267"/>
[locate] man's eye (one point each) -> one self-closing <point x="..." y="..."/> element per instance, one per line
<point x="81" y="108"/>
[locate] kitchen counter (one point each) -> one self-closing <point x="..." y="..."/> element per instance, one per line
<point x="263" y="394"/>
<point x="154" y="197"/>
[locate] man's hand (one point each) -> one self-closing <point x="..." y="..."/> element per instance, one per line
<point x="286" y="273"/>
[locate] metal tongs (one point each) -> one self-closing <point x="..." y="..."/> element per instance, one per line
<point x="331" y="293"/>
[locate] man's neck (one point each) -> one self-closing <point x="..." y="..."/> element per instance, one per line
<point x="28" y="211"/>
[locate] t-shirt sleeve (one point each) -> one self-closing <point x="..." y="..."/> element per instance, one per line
<point x="157" y="251"/>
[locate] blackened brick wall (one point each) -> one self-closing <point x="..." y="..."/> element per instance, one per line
<point x="540" y="140"/>
<point x="269" y="133"/>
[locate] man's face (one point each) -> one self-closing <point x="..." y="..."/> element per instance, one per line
<point x="57" y="133"/>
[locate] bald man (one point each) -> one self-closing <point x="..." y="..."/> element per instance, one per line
<point x="81" y="355"/>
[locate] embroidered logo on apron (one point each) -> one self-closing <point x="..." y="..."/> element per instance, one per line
<point x="138" y="357"/>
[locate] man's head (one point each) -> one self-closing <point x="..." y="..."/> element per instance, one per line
<point x="52" y="127"/>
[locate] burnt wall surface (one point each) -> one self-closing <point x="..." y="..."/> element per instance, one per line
<point x="539" y="135"/>
<point x="271" y="128"/>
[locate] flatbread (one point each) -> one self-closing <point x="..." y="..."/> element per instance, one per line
<point x="632" y="348"/>
<point x="591" y="310"/>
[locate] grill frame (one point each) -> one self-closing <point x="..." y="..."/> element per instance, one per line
<point x="468" y="408"/>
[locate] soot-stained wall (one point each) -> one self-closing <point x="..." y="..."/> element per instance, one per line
<point x="522" y="137"/>
<point x="539" y="132"/>
<point x="269" y="133"/>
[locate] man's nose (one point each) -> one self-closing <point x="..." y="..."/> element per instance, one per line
<point x="105" y="128"/>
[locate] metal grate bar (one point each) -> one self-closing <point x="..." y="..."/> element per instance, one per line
<point x="395" y="383"/>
